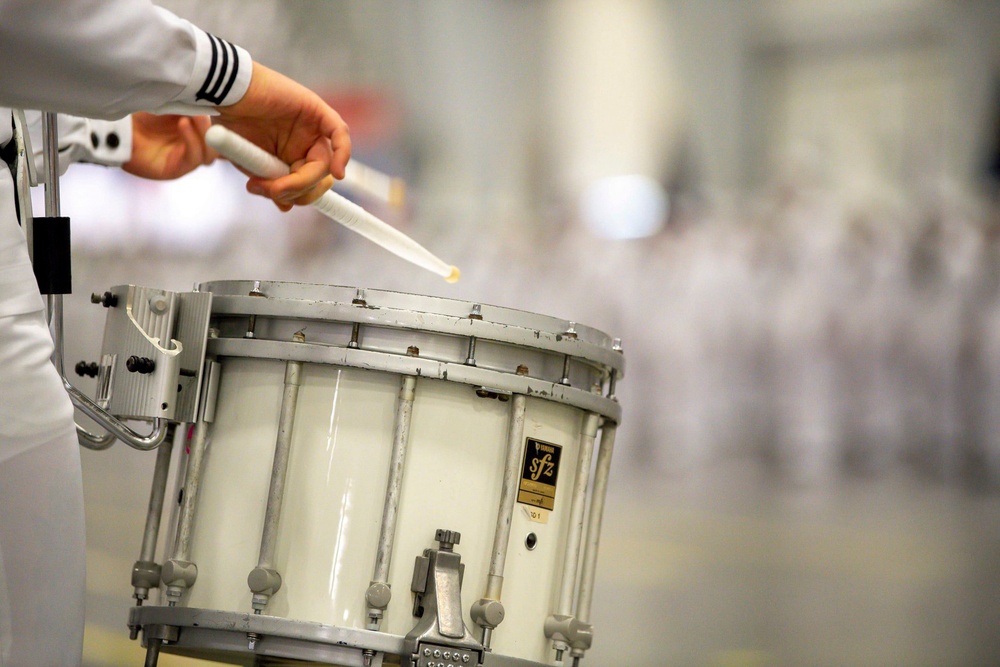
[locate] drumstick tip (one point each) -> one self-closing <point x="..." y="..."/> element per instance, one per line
<point x="454" y="275"/>
<point x="397" y="193"/>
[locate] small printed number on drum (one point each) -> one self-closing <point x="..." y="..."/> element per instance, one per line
<point x="537" y="515"/>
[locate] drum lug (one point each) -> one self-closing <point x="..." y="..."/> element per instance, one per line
<point x="569" y="632"/>
<point x="178" y="575"/>
<point x="263" y="582"/>
<point x="440" y="636"/>
<point x="145" y="575"/>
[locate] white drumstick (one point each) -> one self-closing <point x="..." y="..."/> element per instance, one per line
<point x="373" y="183"/>
<point x="258" y="161"/>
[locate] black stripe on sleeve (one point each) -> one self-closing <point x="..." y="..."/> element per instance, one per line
<point x="232" y="74"/>
<point x="219" y="72"/>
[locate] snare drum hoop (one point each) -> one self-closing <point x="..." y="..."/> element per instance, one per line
<point x="400" y="311"/>
<point x="402" y="303"/>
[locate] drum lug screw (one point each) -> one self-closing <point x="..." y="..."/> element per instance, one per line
<point x="571" y="334"/>
<point x="252" y="638"/>
<point x="359" y="300"/>
<point x="565" y="374"/>
<point x="476" y="314"/>
<point x="252" y="323"/>
<point x="108" y="300"/>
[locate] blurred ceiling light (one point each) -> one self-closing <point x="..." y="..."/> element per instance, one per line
<point x="624" y="207"/>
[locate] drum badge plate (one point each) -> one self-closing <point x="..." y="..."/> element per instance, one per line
<point x="539" y="473"/>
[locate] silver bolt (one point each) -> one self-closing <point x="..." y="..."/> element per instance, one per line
<point x="427" y="652"/>
<point x="437" y="654"/>
<point x="158" y="303"/>
<point x="470" y="358"/>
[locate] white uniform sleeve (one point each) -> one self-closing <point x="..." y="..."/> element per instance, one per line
<point x="108" y="58"/>
<point x="104" y="142"/>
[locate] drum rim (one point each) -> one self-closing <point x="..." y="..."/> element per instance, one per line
<point x="397" y="300"/>
<point x="255" y="348"/>
<point x="215" y="627"/>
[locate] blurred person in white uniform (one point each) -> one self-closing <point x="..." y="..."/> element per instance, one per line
<point x="106" y="59"/>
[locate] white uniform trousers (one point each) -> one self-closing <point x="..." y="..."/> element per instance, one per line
<point x="42" y="553"/>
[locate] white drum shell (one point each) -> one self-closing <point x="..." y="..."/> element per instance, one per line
<point x="335" y="491"/>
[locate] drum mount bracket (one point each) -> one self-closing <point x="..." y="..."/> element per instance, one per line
<point x="153" y="352"/>
<point x="440" y="637"/>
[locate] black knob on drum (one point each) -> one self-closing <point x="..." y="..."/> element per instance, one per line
<point x="108" y="300"/>
<point x="86" y="369"/>
<point x="143" y="365"/>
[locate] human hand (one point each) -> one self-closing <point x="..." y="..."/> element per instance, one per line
<point x="167" y="147"/>
<point x="290" y="121"/>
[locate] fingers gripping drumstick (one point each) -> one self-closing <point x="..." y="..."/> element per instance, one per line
<point x="258" y="161"/>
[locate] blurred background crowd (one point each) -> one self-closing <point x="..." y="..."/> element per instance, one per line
<point x="788" y="211"/>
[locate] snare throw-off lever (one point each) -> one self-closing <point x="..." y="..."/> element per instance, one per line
<point x="440" y="636"/>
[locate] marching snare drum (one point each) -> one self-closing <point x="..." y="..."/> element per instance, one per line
<point x="378" y="473"/>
